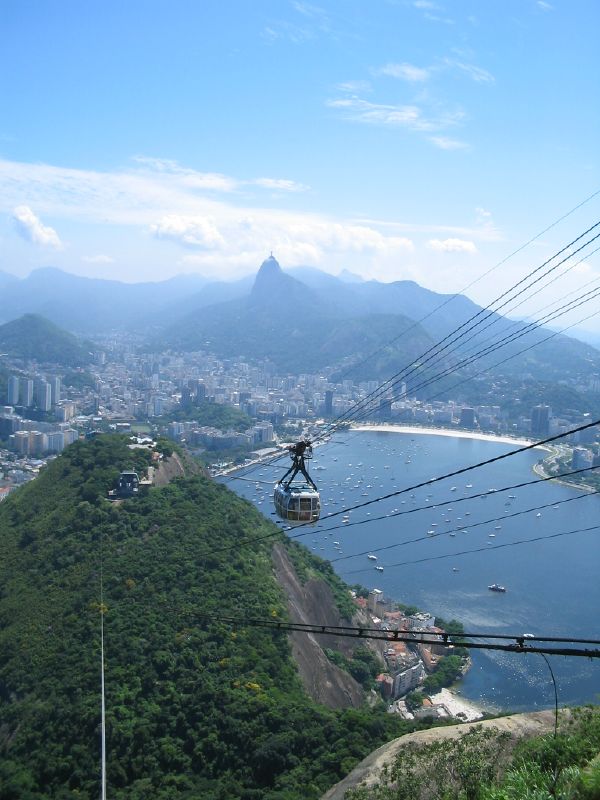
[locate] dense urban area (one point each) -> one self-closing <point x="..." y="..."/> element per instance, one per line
<point x="227" y="411"/>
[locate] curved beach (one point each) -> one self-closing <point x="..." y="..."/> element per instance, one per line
<point x="457" y="434"/>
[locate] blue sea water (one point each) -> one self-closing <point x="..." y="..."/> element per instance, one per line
<point x="552" y="584"/>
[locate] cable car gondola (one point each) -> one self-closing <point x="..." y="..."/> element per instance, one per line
<point x="297" y="502"/>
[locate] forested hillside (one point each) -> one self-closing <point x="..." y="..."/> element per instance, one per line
<point x="34" y="337"/>
<point x="194" y="708"/>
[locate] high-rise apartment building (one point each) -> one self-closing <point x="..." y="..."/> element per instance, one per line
<point x="27" y="392"/>
<point x="55" y="388"/>
<point x="13" y="390"/>
<point x="44" y="396"/>
<point x="540" y="421"/>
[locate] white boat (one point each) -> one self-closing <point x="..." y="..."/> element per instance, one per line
<point x="372" y="557"/>
<point x="379" y="569"/>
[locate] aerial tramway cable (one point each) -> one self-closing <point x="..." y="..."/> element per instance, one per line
<point x="491" y="348"/>
<point x="521" y="643"/>
<point x="422" y="484"/>
<point x="436" y="350"/>
<point x="474" y="282"/>
<point x="488" y="549"/>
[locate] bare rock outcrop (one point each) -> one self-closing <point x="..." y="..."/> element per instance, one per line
<point x="370" y="769"/>
<point x="313" y="602"/>
<point x="175" y="466"/>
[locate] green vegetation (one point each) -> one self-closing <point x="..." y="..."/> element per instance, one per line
<point x="34" y="337"/>
<point x="447" y="672"/>
<point x="79" y="379"/>
<point x="364" y="665"/>
<point x="195" y="708"/>
<point x="480" y="766"/>
<point x="216" y="415"/>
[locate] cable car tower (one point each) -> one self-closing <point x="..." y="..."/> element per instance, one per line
<point x="298" y="501"/>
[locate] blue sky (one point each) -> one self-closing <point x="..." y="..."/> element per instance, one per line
<point x="400" y="139"/>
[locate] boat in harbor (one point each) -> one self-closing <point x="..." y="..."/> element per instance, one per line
<point x="495" y="587"/>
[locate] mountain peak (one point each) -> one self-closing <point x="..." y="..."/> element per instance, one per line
<point x="273" y="285"/>
<point x="270" y="266"/>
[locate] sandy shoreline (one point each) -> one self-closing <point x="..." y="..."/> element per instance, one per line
<point x="468" y="710"/>
<point x="482" y="437"/>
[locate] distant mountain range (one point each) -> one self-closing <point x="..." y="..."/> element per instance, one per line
<point x="92" y="305"/>
<point x="303" y="320"/>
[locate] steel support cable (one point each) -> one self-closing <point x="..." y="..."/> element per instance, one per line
<point x="488" y="311"/>
<point x="513" y="355"/>
<point x="462" y="640"/>
<point x="411" y="488"/>
<point x="550" y="316"/>
<point x="451" y="500"/>
<point x="451" y="339"/>
<point x="533" y="318"/>
<point x="486" y="351"/>
<point x="465" y="528"/>
<point x="550" y="282"/>
<point x="102" y="687"/>
<point x="440" y="505"/>
<point x="445" y="533"/>
<point x="488" y="549"/>
<point x="472" y="283"/>
<point x="463" y="470"/>
<point x="241" y="618"/>
<point x="509" y="339"/>
<point x="470" y="377"/>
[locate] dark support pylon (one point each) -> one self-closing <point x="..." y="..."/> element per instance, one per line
<point x="298" y="453"/>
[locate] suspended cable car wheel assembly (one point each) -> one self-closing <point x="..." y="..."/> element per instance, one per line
<point x="297" y="501"/>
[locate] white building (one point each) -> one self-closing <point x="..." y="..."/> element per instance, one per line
<point x="408" y="679"/>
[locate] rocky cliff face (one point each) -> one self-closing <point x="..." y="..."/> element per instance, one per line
<point x="313" y="602"/>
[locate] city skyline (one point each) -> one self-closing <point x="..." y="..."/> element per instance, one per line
<point x="409" y="140"/>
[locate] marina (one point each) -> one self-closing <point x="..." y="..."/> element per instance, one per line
<point x="552" y="585"/>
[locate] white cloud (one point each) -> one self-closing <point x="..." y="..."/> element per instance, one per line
<point x="149" y="216"/>
<point x="98" y="259"/>
<point x="211" y="181"/>
<point x="426" y="4"/>
<point x="544" y="6"/>
<point x="354" y="87"/>
<point x="243" y="237"/>
<point x="478" y="74"/>
<point x="193" y="232"/>
<point x="451" y="246"/>
<point x="280" y="185"/>
<point x="32" y="230"/>
<point x="444" y="143"/>
<point x="406" y="72"/>
<point x="405" y="116"/>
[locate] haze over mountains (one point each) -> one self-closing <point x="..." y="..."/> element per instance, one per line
<point x="302" y="320"/>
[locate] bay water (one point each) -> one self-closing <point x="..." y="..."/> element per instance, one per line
<point x="440" y="549"/>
